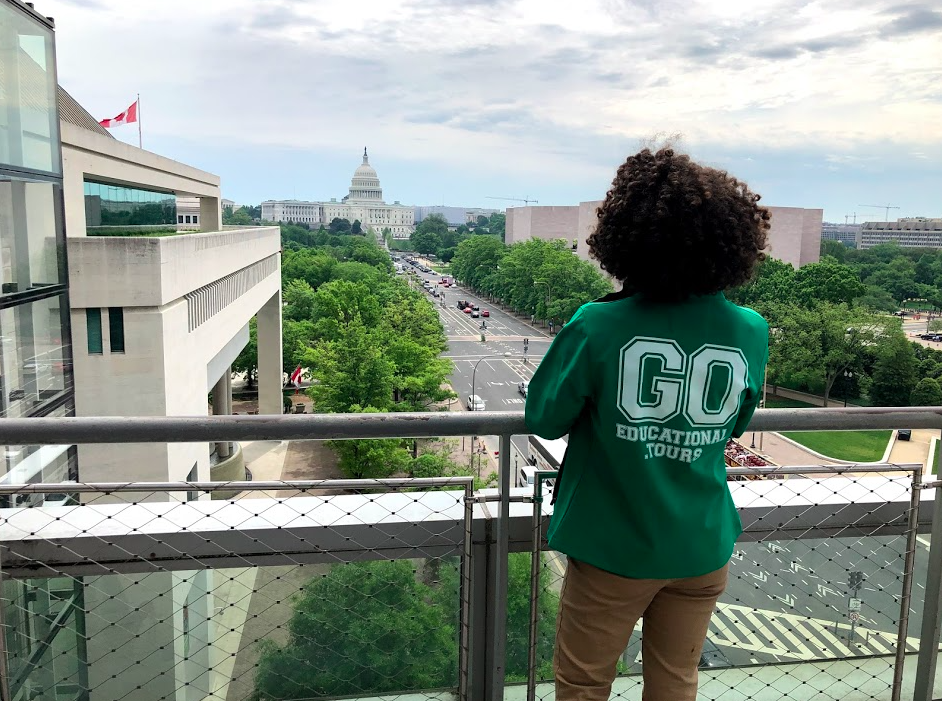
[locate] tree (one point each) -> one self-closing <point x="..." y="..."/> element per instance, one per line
<point x="240" y="217"/>
<point x="339" y="226"/>
<point x="828" y="282"/>
<point x="811" y="346"/>
<point x="496" y="224"/>
<point x="361" y="629"/>
<point x="425" y="242"/>
<point x="297" y="339"/>
<point x="894" y="374"/>
<point x="834" y="249"/>
<point x="482" y="220"/>
<point x="927" y="392"/>
<point x="477" y="259"/>
<point x="350" y="370"/>
<point x="299" y="299"/>
<point x="356" y="228"/>
<point x="773" y="283"/>
<point x="247" y="360"/>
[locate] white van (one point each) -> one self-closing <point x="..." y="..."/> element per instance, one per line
<point x="474" y="403"/>
<point x="527" y="474"/>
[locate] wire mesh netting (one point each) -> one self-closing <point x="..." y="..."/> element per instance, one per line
<point x="820" y="576"/>
<point x="115" y="598"/>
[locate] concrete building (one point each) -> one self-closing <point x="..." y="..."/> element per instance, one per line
<point x="794" y="237"/>
<point x="909" y="232"/>
<point x="845" y="233"/>
<point x="363" y="202"/>
<point x="455" y="216"/>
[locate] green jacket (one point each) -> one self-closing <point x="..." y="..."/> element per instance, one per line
<point x="649" y="394"/>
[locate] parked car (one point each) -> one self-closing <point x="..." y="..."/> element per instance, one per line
<point x="474" y="403"/>
<point x="462" y="303"/>
<point x="484" y="312"/>
<point x="523" y="387"/>
<point x="467" y="310"/>
<point x="904" y="434"/>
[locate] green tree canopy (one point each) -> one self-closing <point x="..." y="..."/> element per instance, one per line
<point x="339" y="226"/>
<point x="363" y="628"/>
<point x="927" y="392"/>
<point x="356" y="228"/>
<point x="894" y="374"/>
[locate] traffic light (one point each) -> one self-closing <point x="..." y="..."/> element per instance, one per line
<point x="855" y="580"/>
<point x="526" y="344"/>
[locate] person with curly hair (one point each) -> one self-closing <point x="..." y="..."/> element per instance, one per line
<point x="650" y="383"/>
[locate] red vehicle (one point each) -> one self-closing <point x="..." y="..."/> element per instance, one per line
<point x="484" y="312"/>
<point x="467" y="310"/>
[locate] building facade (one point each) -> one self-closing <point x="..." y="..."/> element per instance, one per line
<point x="909" y="232"/>
<point x="794" y="236"/>
<point x="847" y="234"/>
<point x="363" y="202"/>
<point x="455" y="216"/>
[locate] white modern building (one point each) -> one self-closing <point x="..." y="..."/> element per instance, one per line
<point x="794" y="236"/>
<point x="909" y="232"/>
<point x="847" y="234"/>
<point x="363" y="202"/>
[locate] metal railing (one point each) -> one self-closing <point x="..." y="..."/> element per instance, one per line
<point x="484" y="528"/>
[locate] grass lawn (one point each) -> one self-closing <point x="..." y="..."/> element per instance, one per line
<point x="855" y="446"/>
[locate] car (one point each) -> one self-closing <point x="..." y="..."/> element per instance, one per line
<point x="462" y="304"/>
<point x="475" y="308"/>
<point x="484" y="312"/>
<point x="523" y="387"/>
<point x="474" y="403"/>
<point x="904" y="434"/>
<point x="474" y="314"/>
<point x="467" y="310"/>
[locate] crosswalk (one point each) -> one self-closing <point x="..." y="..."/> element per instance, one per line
<point x="793" y="637"/>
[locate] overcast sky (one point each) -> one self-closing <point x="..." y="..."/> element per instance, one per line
<point x="830" y="104"/>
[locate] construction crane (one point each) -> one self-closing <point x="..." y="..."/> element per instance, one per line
<point x="527" y="202"/>
<point x="848" y="216"/>
<point x="887" y="207"/>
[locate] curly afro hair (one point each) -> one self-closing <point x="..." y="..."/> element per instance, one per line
<point x="670" y="228"/>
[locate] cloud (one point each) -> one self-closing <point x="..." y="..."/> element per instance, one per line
<point x="539" y="87"/>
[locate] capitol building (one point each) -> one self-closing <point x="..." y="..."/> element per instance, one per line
<point x="364" y="202"/>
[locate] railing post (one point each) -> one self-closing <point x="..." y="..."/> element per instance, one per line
<point x="497" y="602"/>
<point x="465" y="593"/>
<point x="535" y="565"/>
<point x="4" y="677"/>
<point x="908" y="568"/>
<point x="931" y="610"/>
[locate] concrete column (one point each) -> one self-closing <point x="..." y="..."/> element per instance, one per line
<point x="210" y="214"/>
<point x="220" y="407"/>
<point x="228" y="377"/>
<point x="270" y="374"/>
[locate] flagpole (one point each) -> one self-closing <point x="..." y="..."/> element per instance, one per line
<point x="140" y="138"/>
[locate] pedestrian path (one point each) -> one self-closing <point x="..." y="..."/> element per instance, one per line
<point x="792" y="637"/>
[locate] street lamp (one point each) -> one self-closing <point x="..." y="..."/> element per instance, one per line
<point x="847" y="375"/>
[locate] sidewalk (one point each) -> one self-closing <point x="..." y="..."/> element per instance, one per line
<point x="915" y="450"/>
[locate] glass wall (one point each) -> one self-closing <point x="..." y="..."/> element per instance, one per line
<point x="34" y="369"/>
<point x="116" y="206"/>
<point x="31" y="255"/>
<point x="29" y="116"/>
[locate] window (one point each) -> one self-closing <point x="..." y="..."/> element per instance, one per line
<point x="179" y="219"/>
<point x="108" y="206"/>
<point x="116" y="328"/>
<point x="29" y="250"/>
<point x="196" y="218"/>
<point x="188" y="219"/>
<point x="93" y="323"/>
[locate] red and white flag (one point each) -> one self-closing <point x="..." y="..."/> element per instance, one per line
<point x="129" y="115"/>
<point x="296" y="377"/>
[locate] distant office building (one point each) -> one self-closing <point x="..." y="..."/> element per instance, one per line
<point x="794" y="237"/>
<point x="364" y="202"/>
<point x="909" y="232"/>
<point x="845" y="233"/>
<point x="455" y="216"/>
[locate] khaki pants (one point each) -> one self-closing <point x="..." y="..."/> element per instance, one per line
<point x="597" y="613"/>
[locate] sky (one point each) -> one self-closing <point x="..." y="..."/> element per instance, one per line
<point x="830" y="104"/>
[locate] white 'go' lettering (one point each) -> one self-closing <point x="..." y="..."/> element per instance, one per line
<point x="657" y="381"/>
